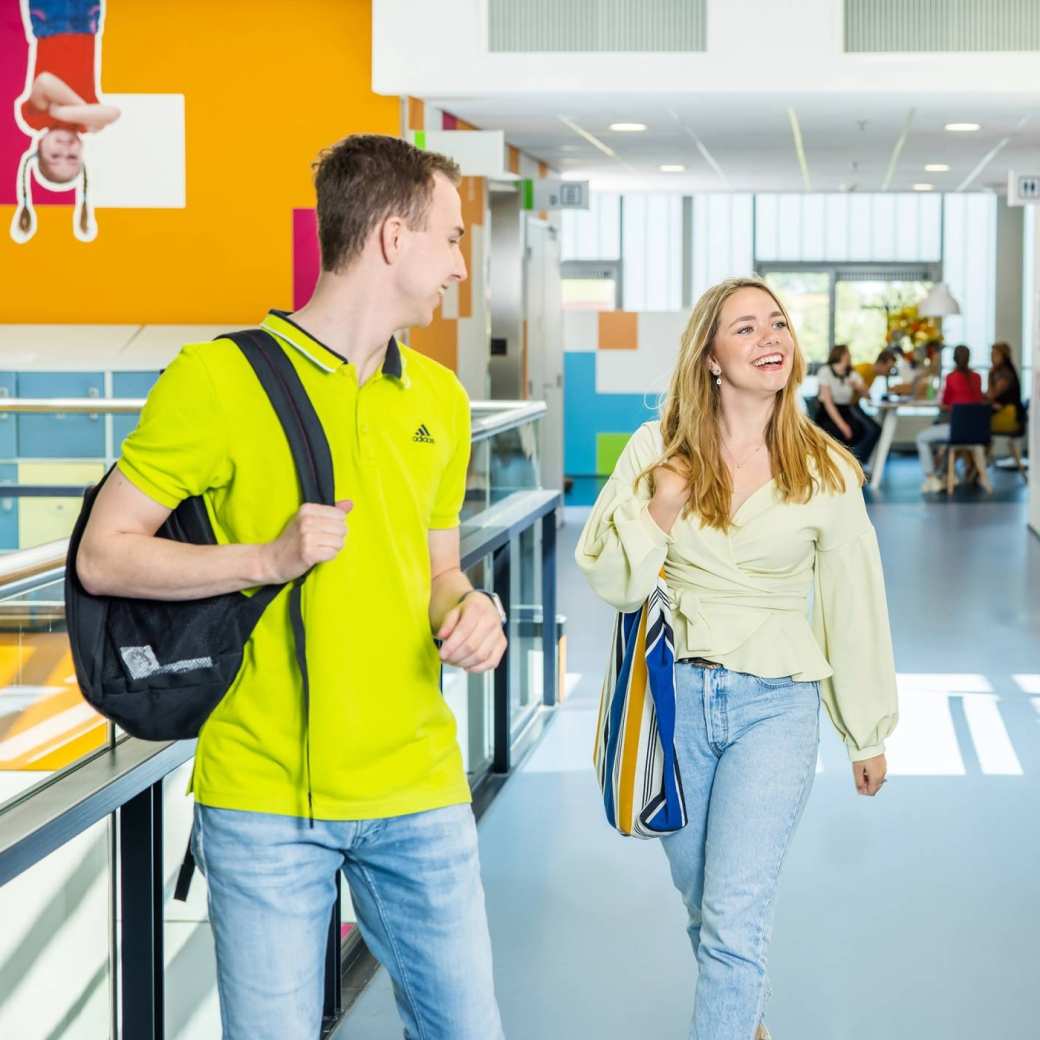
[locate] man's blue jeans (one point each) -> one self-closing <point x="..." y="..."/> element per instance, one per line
<point x="747" y="756"/>
<point x="416" y="888"/>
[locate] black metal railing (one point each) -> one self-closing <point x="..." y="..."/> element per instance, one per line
<point x="123" y="783"/>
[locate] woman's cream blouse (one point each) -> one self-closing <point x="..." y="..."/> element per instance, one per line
<point x="741" y="597"/>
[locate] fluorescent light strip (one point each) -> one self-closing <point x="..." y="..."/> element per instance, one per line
<point x="991" y="155"/>
<point x="897" y="150"/>
<point x="701" y="148"/>
<point x="593" y="140"/>
<point x="799" y="147"/>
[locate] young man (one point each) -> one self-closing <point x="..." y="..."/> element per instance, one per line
<point x="390" y="797"/>
<point x="868" y="371"/>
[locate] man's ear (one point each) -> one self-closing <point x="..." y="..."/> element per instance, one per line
<point x="390" y="234"/>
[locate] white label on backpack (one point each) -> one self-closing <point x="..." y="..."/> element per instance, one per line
<point x="141" y="662"/>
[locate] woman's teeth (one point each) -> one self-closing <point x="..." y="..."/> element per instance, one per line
<point x="769" y="361"/>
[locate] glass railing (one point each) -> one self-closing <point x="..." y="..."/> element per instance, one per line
<point x="40" y="495"/>
<point x="76" y="797"/>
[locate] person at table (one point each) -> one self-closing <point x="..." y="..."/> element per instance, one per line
<point x="837" y="413"/>
<point x="963" y="386"/>
<point x="1004" y="391"/>
<point x="868" y="371"/>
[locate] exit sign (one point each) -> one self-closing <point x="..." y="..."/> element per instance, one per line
<point x="1023" y="188"/>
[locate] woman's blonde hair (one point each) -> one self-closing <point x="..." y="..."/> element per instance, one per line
<point x="804" y="458"/>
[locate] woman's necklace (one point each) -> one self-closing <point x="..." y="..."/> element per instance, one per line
<point x="741" y="465"/>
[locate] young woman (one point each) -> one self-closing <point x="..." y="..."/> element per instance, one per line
<point x="1004" y="391"/>
<point x="749" y="508"/>
<point x="840" y="388"/>
<point x="963" y="386"/>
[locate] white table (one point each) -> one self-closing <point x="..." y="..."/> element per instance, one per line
<point x="888" y="414"/>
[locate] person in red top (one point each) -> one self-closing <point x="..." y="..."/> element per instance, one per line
<point x="963" y="386"/>
<point x="60" y="104"/>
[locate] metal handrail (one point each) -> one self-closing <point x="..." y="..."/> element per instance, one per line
<point x="72" y="405"/>
<point x="512" y="413"/>
<point x="28" y="563"/>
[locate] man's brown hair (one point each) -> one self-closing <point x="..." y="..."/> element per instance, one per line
<point x="366" y="178"/>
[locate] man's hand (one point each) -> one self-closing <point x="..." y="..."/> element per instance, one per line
<point x="472" y="634"/>
<point x="314" y="535"/>
<point x="870" y="774"/>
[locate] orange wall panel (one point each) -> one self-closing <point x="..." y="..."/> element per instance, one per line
<point x="438" y="340"/>
<point x="473" y="192"/>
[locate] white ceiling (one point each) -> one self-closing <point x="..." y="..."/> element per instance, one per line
<point x="849" y="138"/>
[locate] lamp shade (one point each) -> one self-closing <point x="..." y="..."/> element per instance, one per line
<point x="938" y="303"/>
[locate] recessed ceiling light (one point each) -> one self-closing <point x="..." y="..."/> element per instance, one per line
<point x="962" y="128"/>
<point x="937" y="167"/>
<point x="924" y="187"/>
<point x="672" y="168"/>
<point x="628" y="128"/>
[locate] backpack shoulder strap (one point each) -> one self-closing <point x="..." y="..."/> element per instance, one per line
<point x="303" y="429"/>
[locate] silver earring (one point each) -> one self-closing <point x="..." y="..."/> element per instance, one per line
<point x="718" y="379"/>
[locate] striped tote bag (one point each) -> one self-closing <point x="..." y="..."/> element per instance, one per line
<point x="635" y="735"/>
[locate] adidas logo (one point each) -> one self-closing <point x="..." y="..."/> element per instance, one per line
<point x="422" y="436"/>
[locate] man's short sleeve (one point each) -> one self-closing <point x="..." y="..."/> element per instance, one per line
<point x="452" y="489"/>
<point x="179" y="447"/>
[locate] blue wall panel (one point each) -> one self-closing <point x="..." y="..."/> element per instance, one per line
<point x="587" y="413"/>
<point x="61" y="436"/>
<point x="8" y="509"/>
<point x="128" y="384"/>
<point x="8" y="422"/>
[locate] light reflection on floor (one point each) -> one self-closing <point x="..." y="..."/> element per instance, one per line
<point x="926" y="741"/>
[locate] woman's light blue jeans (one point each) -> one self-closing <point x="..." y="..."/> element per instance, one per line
<point x="747" y="752"/>
<point x="415" y="883"/>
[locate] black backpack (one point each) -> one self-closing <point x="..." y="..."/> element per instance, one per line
<point x="158" y="668"/>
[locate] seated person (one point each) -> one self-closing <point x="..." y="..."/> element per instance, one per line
<point x="868" y="371"/>
<point x="1004" y="392"/>
<point x="837" y="413"/>
<point x="963" y="386"/>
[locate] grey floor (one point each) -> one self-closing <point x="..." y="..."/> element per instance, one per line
<point x="912" y="916"/>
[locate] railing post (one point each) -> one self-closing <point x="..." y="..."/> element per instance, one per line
<point x="502" y="753"/>
<point x="141" y="909"/>
<point x="550" y="667"/>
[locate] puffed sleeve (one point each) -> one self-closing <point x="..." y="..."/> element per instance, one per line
<point x="850" y="621"/>
<point x="621" y="549"/>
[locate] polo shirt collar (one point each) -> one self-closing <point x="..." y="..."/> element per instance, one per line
<point x="328" y="360"/>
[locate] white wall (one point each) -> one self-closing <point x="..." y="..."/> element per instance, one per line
<point x="723" y="239"/>
<point x="782" y="46"/>
<point x="651" y="245"/>
<point x="858" y="227"/>
<point x="969" y="268"/>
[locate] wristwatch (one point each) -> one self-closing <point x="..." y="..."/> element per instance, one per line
<point x="493" y="596"/>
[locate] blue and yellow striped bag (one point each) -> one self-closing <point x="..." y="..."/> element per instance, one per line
<point x="635" y="735"/>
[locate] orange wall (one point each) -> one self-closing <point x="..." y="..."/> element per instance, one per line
<point x="266" y="86"/>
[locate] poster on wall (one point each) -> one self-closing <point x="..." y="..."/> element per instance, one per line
<point x="65" y="142"/>
<point x="60" y="108"/>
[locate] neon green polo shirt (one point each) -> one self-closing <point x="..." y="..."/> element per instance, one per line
<point x="383" y="740"/>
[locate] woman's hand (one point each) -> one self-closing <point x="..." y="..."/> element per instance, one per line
<point x="870" y="774"/>
<point x="844" y="429"/>
<point x="671" y="484"/>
